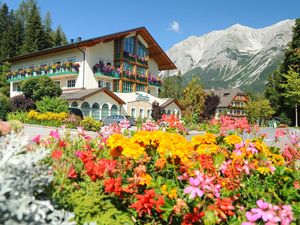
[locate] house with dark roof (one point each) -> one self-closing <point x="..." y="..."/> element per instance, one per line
<point x="232" y="101"/>
<point x="122" y="62"/>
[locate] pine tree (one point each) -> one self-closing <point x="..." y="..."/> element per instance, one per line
<point x="48" y="29"/>
<point x="59" y="37"/>
<point x="35" y="36"/>
<point x="275" y="91"/>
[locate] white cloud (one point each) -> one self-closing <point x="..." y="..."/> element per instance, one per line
<point x="174" y="26"/>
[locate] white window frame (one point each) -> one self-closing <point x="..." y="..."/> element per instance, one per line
<point x="134" y="116"/>
<point x="142" y="115"/>
<point x="71" y="80"/>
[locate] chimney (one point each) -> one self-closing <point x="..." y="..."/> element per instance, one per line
<point x="78" y="39"/>
<point x="71" y="40"/>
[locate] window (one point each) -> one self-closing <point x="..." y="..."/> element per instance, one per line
<point x="16" y="87"/>
<point x="127" y="87"/>
<point x="142" y="113"/>
<point x="141" y="70"/>
<point x="57" y="62"/>
<point x="71" y="83"/>
<point x="96" y="111"/>
<point x="169" y="112"/>
<point x="141" y="49"/>
<point x="85" y="108"/>
<point x="127" y="66"/>
<point x="114" y="110"/>
<point x="133" y="112"/>
<point x="74" y="104"/>
<point x="129" y="44"/>
<point x="100" y="84"/>
<point x="116" y="85"/>
<point x="148" y="113"/>
<point x="72" y="59"/>
<point x="105" y="111"/>
<point x="108" y="85"/>
<point x="43" y="64"/>
<point x="140" y="87"/>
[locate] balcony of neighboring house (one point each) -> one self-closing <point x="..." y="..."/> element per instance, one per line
<point x="100" y="69"/>
<point x="66" y="70"/>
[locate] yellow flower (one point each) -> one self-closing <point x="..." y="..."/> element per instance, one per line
<point x="133" y="150"/>
<point x="207" y="149"/>
<point x="172" y="194"/>
<point x="116" y="140"/>
<point x="277" y="159"/>
<point x="233" y="139"/>
<point x="207" y="138"/>
<point x="145" y="179"/>
<point x="264" y="170"/>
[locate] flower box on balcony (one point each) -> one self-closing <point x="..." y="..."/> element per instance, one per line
<point x="108" y="70"/>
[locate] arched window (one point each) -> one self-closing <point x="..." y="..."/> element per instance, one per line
<point x="169" y="112"/>
<point x="96" y="111"/>
<point x="105" y="111"/>
<point x="85" y="108"/>
<point x="74" y="104"/>
<point x="114" y="110"/>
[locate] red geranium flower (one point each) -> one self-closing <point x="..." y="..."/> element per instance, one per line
<point x="72" y="173"/>
<point x="56" y="154"/>
<point x="113" y="185"/>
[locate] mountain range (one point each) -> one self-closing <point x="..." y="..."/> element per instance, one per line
<point x="238" y="56"/>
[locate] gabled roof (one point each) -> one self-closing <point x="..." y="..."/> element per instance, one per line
<point x="169" y="101"/>
<point x="226" y="95"/>
<point x="82" y="94"/>
<point x="155" y="51"/>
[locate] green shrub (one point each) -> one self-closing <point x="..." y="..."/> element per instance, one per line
<point x="56" y="105"/>
<point x="37" y="88"/>
<point x="4" y="106"/>
<point x="21" y="103"/>
<point x="19" y="115"/>
<point x="89" y="123"/>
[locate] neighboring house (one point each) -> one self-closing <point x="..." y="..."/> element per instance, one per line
<point x="139" y="104"/>
<point x="232" y="101"/>
<point x="123" y="62"/>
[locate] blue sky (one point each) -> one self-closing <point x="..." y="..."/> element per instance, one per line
<point x="168" y="21"/>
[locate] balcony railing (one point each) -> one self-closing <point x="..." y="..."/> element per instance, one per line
<point x="22" y="75"/>
<point x="101" y="70"/>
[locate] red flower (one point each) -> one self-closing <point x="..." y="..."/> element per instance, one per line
<point x="62" y="144"/>
<point x="192" y="218"/>
<point x="56" y="154"/>
<point x="72" y="173"/>
<point x="145" y="203"/>
<point x="160" y="202"/>
<point x="113" y="185"/>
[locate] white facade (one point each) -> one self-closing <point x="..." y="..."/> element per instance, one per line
<point x="85" y="78"/>
<point x="139" y="104"/>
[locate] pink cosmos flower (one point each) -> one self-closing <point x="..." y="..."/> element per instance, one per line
<point x="124" y="124"/>
<point x="37" y="139"/>
<point x="54" y="134"/>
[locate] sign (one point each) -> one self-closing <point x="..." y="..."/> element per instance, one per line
<point x="142" y="97"/>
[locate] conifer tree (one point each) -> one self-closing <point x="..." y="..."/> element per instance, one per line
<point x="48" y="30"/>
<point x="275" y="90"/>
<point x="35" y="36"/>
<point x="59" y="37"/>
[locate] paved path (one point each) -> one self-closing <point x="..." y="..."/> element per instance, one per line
<point x="31" y="131"/>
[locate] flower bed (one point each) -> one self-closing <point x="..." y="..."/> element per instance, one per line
<point x="156" y="177"/>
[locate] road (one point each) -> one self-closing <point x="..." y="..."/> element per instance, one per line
<point x="32" y="131"/>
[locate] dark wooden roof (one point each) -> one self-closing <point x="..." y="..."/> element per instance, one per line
<point x="82" y="94"/>
<point x="169" y="101"/>
<point x="155" y="51"/>
<point x="226" y="95"/>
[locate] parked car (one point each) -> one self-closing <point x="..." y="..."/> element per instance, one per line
<point x="115" y="119"/>
<point x="132" y="121"/>
<point x="76" y="112"/>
